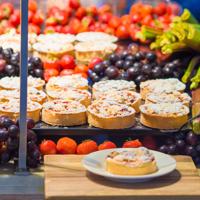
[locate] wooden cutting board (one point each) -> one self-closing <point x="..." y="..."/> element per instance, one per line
<point x="65" y="178"/>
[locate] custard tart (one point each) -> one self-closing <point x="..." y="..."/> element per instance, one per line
<point x="158" y="86"/>
<point x="133" y="162"/>
<point x="64" y="113"/>
<point x="110" y="115"/>
<point x="164" y="115"/>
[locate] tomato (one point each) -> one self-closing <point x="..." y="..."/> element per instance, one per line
<point x="32" y="5"/>
<point x="146" y="10"/>
<point x="66" y="145"/>
<point x="160" y="9"/>
<point x="135" y="8"/>
<point x="52" y="65"/>
<point x="91" y="11"/>
<point x="75" y="25"/>
<point x="66" y="72"/>
<point x="6" y="9"/>
<point x="135" y="18"/>
<point x="32" y="28"/>
<point x="49" y="29"/>
<point x="61" y="17"/>
<point x="107" y="145"/>
<point x="105" y="8"/>
<point x="149" y="142"/>
<point x="51" y="21"/>
<point x="133" y="29"/>
<point x="52" y="11"/>
<point x="14" y="19"/>
<point x="38" y="18"/>
<point x="75" y="4"/>
<point x="80" y="13"/>
<point x="48" y="73"/>
<point x="87" y="21"/>
<point x="67" y="29"/>
<point x="86" y="147"/>
<point x="105" y="17"/>
<point x="125" y="20"/>
<point x="83" y="74"/>
<point x="48" y="147"/>
<point x="122" y="32"/>
<point x="132" y="144"/>
<point x="67" y="62"/>
<point x="81" y="68"/>
<point x="94" y="62"/>
<point x="114" y="22"/>
<point x="147" y="20"/>
<point x="30" y="16"/>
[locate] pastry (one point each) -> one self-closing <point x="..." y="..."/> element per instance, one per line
<point x="33" y="94"/>
<point x="64" y="113"/>
<point x="107" y="86"/>
<point x="174" y="97"/>
<point x="126" y="97"/>
<point x="110" y="115"/>
<point x="11" y="109"/>
<point x="83" y="96"/>
<point x="161" y="86"/>
<point x="164" y="115"/>
<point x="13" y="83"/>
<point x="133" y="162"/>
<point x="60" y="82"/>
<point x="95" y="36"/>
<point x="86" y="51"/>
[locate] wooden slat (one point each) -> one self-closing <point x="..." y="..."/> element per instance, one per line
<point x="65" y="178"/>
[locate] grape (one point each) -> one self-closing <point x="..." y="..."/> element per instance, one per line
<point x="32" y="163"/>
<point x="198" y="149"/>
<point x="124" y="54"/>
<point x="131" y="58"/>
<point x="150" y="56"/>
<point x="95" y="78"/>
<point x="156" y="72"/>
<point x="5" y="157"/>
<point x="177" y="63"/>
<point x="1" y="50"/>
<point x="167" y="71"/>
<point x="133" y="72"/>
<point x="140" y="79"/>
<point x="30" y="123"/>
<point x="2" y="118"/>
<point x="10" y="70"/>
<point x="12" y="144"/>
<point x="133" y="48"/>
<point x="32" y="73"/>
<point x="146" y="69"/>
<point x="169" y="141"/>
<point x="114" y="58"/>
<point x="14" y="60"/>
<point x="164" y="149"/>
<point x="137" y="65"/>
<point x="172" y="149"/>
<point x="7" y="53"/>
<point x="127" y="64"/>
<point x="31" y="146"/>
<point x="106" y="63"/>
<point x="3" y="135"/>
<point x="37" y="62"/>
<point x="36" y="154"/>
<point x="171" y="66"/>
<point x="191" y="138"/>
<point x="124" y="76"/>
<point x="7" y="122"/>
<point x="13" y="131"/>
<point x="140" y="56"/>
<point x="180" y="144"/>
<point x="112" y="72"/>
<point x="99" y="68"/>
<point x="180" y="136"/>
<point x="119" y="64"/>
<point x="190" y="151"/>
<point x="31" y="136"/>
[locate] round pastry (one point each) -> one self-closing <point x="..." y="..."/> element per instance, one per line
<point x="107" y="86"/>
<point x="65" y="82"/>
<point x="64" y="113"/>
<point x="133" y="162"/>
<point x="161" y="86"/>
<point x="126" y="97"/>
<point x="11" y="109"/>
<point x="86" y="51"/>
<point x="174" y="97"/>
<point x="82" y="96"/>
<point x="110" y="115"/>
<point x="33" y="94"/>
<point x="95" y="36"/>
<point x="13" y="83"/>
<point x="164" y="115"/>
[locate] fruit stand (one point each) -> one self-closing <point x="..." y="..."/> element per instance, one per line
<point x="111" y="101"/>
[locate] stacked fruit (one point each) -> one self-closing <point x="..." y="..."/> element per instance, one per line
<point x="10" y="61"/>
<point x="9" y="142"/>
<point x="10" y="18"/>
<point x="138" y="67"/>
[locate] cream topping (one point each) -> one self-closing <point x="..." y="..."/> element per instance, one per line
<point x="109" y="109"/>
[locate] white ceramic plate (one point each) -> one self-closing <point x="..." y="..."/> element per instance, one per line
<point x="95" y="163"/>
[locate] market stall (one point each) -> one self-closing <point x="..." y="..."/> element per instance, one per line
<point x="122" y="90"/>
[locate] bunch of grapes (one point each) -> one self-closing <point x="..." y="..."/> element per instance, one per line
<point x="10" y="61"/>
<point x="9" y="142"/>
<point x="138" y="67"/>
<point x="183" y="144"/>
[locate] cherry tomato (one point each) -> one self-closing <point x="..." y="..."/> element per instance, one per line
<point x="48" y="73"/>
<point x="86" y="147"/>
<point x="125" y="20"/>
<point x="75" y="4"/>
<point x="147" y="20"/>
<point x="114" y="22"/>
<point x="32" y="28"/>
<point x="67" y="62"/>
<point x="91" y="11"/>
<point x="122" y="32"/>
<point x="52" y="65"/>
<point x="66" y="145"/>
<point x="135" y="18"/>
<point x="6" y="9"/>
<point x="61" y="17"/>
<point x="132" y="144"/>
<point x="67" y="29"/>
<point x="66" y="72"/>
<point x="38" y="18"/>
<point x="87" y="21"/>
<point x="30" y="16"/>
<point x="75" y="24"/>
<point x="105" y="17"/>
<point x="32" y="5"/>
<point x="58" y="28"/>
<point x="52" y="11"/>
<point x="15" y="18"/>
<point x="81" y="68"/>
<point x="107" y="145"/>
<point x="48" y="147"/>
<point x="80" y="13"/>
<point x="160" y="9"/>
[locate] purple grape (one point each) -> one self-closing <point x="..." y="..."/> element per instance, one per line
<point x="180" y="144"/>
<point x="169" y="141"/>
<point x="12" y="144"/>
<point x="190" y="151"/>
<point x="191" y="138"/>
<point x="119" y="64"/>
<point x="30" y="123"/>
<point x="112" y="72"/>
<point x="36" y="154"/>
<point x="31" y="146"/>
<point x="3" y="135"/>
<point x="123" y="76"/>
<point x="124" y="54"/>
<point x="172" y="149"/>
<point x="164" y="149"/>
<point x="31" y="136"/>
<point x="5" y="157"/>
<point x="7" y="122"/>
<point x="106" y="63"/>
<point x="13" y="131"/>
<point x="99" y="68"/>
<point x="114" y="58"/>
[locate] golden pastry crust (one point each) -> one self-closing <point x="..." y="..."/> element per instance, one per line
<point x="134" y="162"/>
<point x="65" y="82"/>
<point x="128" y="98"/>
<point x="82" y="96"/>
<point x="161" y="86"/>
<point x="110" y="115"/>
<point x="164" y="115"/>
<point x="64" y="113"/>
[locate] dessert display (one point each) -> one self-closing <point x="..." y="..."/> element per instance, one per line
<point x="12" y="83"/>
<point x="164" y="115"/>
<point x="74" y="81"/>
<point x="134" y="162"/>
<point x="86" y="51"/>
<point x="126" y="97"/>
<point x="161" y="86"/>
<point x="64" y="113"/>
<point x="82" y="96"/>
<point x="174" y="97"/>
<point x="11" y="109"/>
<point x="110" y="115"/>
<point x="107" y="86"/>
